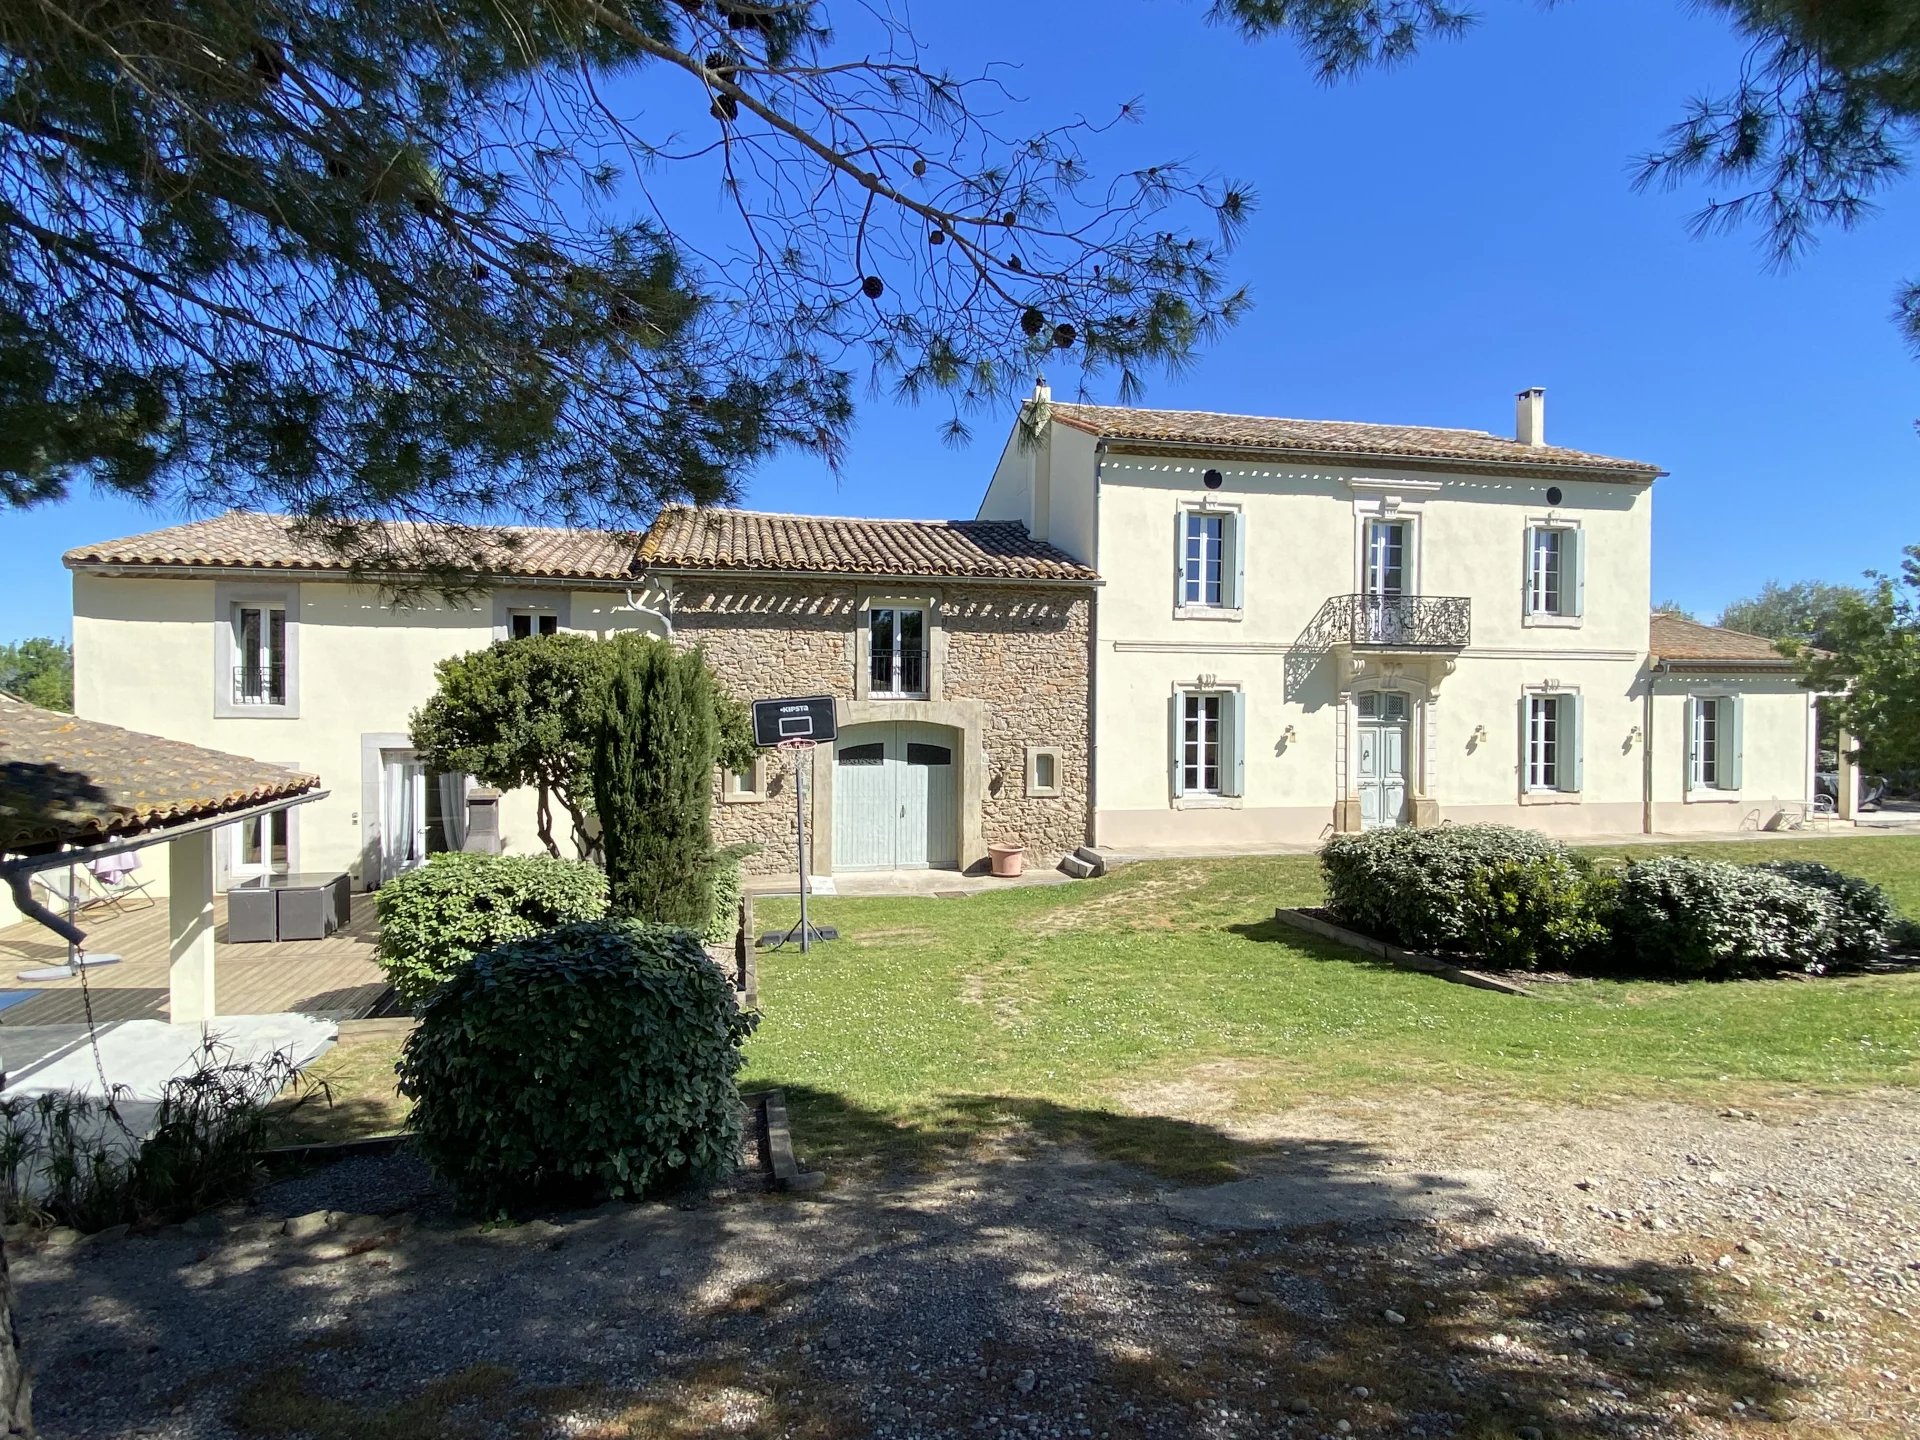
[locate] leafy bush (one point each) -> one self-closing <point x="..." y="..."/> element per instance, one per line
<point x="729" y="884"/>
<point x="433" y="920"/>
<point x="1466" y="889"/>
<point x="596" y="1057"/>
<point x="1685" y="917"/>
<point x="1865" y="920"/>
<point x="68" y="1158"/>
<point x="1531" y="914"/>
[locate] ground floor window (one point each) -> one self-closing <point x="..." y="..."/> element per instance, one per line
<point x="1208" y="726"/>
<point x="1713" y="742"/>
<point x="1552" y="742"/>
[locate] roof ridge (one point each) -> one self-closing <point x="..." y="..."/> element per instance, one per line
<point x="836" y="519"/>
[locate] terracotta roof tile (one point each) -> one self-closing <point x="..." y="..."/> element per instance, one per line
<point x="1338" y="439"/>
<point x="250" y="540"/>
<point x="67" y="780"/>
<point x="1674" y="637"/>
<point x="721" y="540"/>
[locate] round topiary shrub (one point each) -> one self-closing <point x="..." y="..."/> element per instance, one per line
<point x="435" y="919"/>
<point x="1678" y="916"/>
<point x="597" y="1058"/>
<point x="1864" y="919"/>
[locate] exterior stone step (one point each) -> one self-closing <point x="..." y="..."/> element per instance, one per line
<point x="1092" y="857"/>
<point x="1076" y="867"/>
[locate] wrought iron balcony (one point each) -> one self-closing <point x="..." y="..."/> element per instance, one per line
<point x="898" y="674"/>
<point x="1392" y="622"/>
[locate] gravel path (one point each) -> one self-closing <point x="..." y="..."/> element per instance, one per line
<point x="1419" y="1268"/>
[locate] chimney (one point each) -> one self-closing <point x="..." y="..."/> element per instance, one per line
<point x="1530" y="416"/>
<point x="1042" y="392"/>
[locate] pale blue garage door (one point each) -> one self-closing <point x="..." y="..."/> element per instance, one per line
<point x="895" y="797"/>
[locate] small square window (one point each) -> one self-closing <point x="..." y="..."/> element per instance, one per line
<point x="1043" y="771"/>
<point x="746" y="786"/>
<point x="523" y="624"/>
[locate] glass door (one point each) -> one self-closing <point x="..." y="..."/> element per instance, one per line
<point x="1385" y="580"/>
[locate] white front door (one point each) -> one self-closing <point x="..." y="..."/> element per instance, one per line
<point x="895" y="791"/>
<point x="1381" y="761"/>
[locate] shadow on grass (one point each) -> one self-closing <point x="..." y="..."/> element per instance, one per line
<point x="1313" y="947"/>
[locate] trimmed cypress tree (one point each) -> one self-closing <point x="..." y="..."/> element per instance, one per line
<point x="652" y="784"/>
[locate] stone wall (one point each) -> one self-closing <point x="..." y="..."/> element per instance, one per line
<point x="1022" y="652"/>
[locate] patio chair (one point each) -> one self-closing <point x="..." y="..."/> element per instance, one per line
<point x="114" y="880"/>
<point x="71" y="890"/>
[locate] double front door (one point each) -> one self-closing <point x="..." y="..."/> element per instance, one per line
<point x="421" y="813"/>
<point x="1381" y="758"/>
<point x="896" y="797"/>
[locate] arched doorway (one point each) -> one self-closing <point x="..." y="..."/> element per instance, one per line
<point x="896" y="796"/>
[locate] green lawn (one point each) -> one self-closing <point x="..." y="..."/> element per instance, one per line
<point x="1137" y="1011"/>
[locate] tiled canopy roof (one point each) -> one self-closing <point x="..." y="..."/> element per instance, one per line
<point x="1338" y="438"/>
<point x="723" y="540"/>
<point x="250" y="540"/>
<point x="1674" y="637"/>
<point x="69" y="781"/>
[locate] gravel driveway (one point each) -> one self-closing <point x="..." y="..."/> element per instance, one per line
<point x="1416" y="1268"/>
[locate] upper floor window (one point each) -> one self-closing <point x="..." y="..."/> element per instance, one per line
<point x="524" y="623"/>
<point x="1209" y="563"/>
<point x="1552" y="742"/>
<point x="1386" y="558"/>
<point x="897" y="650"/>
<point x="1555" y="578"/>
<point x="259" y="653"/>
<point x="1713" y="742"/>
<point x="1209" y="727"/>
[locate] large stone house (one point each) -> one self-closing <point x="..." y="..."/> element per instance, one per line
<point x="1310" y="627"/>
<point x="957" y="653"/>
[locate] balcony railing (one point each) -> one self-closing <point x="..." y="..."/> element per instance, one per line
<point x="260" y="685"/>
<point x="898" y="673"/>
<point x="1393" y="622"/>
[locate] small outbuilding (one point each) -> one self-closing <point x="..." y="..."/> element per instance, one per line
<point x="73" y="792"/>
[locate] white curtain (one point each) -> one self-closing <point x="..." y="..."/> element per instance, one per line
<point x="453" y="808"/>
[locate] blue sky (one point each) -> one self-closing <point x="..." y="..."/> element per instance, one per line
<point x="1429" y="240"/>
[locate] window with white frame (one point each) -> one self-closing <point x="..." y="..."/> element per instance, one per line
<point x="1713" y="742"/>
<point x="1208" y="751"/>
<point x="1210" y="551"/>
<point x="897" y="650"/>
<point x="1551" y="742"/>
<point x="1555" y="577"/>
<point x="261" y="845"/>
<point x="259" y="652"/>
<point x="524" y="623"/>
<point x="1386" y="558"/>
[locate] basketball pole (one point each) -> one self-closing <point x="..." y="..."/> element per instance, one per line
<point x="802" y="773"/>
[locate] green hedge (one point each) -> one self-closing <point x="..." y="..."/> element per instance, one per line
<point x="597" y="1058"/>
<point x="1677" y="915"/>
<point x="433" y="920"/>
<point x="1865" y="921"/>
<point x="1488" y="890"/>
<point x="728" y="883"/>
<point x="1521" y="901"/>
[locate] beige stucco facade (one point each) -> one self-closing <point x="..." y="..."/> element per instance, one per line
<point x="1300" y="532"/>
<point x="149" y="655"/>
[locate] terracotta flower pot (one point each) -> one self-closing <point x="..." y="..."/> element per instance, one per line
<point x="1008" y="860"/>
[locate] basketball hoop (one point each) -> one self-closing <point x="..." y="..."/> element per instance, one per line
<point x="796" y="744"/>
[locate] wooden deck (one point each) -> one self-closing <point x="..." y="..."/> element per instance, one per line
<point x="335" y="978"/>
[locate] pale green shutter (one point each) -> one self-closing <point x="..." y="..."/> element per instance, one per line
<point x="1573" y="572"/>
<point x="1526" y="742"/>
<point x="1526" y="570"/>
<point x="1179" y="556"/>
<point x="1234" y="771"/>
<point x="1730" y="727"/>
<point x="1692" y="748"/>
<point x="1235" y="530"/>
<point x="1178" y="771"/>
<point x="1573" y="742"/>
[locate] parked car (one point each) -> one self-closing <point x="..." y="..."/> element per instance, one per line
<point x="1873" y="788"/>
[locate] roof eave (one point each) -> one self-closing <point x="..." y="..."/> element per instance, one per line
<point x="866" y="577"/>
<point x="1625" y="473"/>
<point x="337" y="574"/>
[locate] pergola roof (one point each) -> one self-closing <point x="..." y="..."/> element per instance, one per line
<point x="68" y="781"/>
